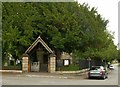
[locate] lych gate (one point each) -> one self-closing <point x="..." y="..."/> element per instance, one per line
<point x="39" y="57"/>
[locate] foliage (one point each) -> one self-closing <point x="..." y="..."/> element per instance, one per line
<point x="119" y="64"/>
<point x="69" y="27"/>
<point x="118" y="57"/>
<point x="11" y="67"/>
<point x="17" y="30"/>
<point x="71" y="67"/>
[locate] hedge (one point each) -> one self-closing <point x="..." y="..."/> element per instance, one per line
<point x="11" y="68"/>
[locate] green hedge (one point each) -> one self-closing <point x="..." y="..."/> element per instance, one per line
<point x="11" y="68"/>
<point x="119" y="64"/>
<point x="71" y="67"/>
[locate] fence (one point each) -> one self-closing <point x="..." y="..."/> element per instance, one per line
<point x="83" y="64"/>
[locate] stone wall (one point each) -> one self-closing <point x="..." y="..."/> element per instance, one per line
<point x="72" y="72"/>
<point x="52" y="64"/>
<point x="25" y="63"/>
<point x="65" y="55"/>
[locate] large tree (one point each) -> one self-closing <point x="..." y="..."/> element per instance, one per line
<point x="68" y="26"/>
<point x="17" y="32"/>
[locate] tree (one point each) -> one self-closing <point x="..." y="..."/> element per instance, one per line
<point x="17" y="31"/>
<point x="118" y="56"/>
<point x="69" y="27"/>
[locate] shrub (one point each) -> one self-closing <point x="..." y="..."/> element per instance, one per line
<point x="11" y="68"/>
<point x="72" y="67"/>
<point x="119" y="64"/>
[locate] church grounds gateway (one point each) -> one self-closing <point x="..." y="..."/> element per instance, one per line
<point x="39" y="58"/>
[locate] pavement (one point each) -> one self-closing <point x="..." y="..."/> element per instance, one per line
<point x="19" y="73"/>
<point x="42" y="78"/>
<point x="57" y="75"/>
<point x="44" y="74"/>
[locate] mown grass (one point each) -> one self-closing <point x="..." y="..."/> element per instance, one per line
<point x="71" y="67"/>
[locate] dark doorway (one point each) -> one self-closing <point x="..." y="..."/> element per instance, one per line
<point x="39" y="59"/>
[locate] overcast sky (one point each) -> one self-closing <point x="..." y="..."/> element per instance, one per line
<point x="109" y="10"/>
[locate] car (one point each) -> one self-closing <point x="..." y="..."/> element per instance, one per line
<point x="98" y="72"/>
<point x="111" y="67"/>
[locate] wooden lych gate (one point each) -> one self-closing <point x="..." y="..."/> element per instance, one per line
<point x="39" y="58"/>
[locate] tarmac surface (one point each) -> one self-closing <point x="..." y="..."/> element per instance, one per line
<point x="41" y="78"/>
<point x="47" y="75"/>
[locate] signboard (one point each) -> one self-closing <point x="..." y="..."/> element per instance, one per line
<point x="66" y="62"/>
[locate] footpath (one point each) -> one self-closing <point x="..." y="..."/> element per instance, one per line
<point x="58" y="74"/>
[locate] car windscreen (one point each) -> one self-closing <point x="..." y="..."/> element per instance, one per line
<point x="94" y="68"/>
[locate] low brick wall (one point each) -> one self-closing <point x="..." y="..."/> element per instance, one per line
<point x="72" y="72"/>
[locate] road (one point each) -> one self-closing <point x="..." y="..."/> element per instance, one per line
<point x="18" y="79"/>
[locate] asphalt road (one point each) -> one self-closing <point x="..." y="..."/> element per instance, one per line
<point x="44" y="79"/>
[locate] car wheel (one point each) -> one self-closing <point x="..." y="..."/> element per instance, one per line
<point x="89" y="77"/>
<point x="107" y="76"/>
<point x="103" y="77"/>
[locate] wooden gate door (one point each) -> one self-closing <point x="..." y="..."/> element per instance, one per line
<point x="35" y="66"/>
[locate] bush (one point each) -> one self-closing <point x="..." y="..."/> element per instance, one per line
<point x="11" y="68"/>
<point x="119" y="65"/>
<point x="71" y="67"/>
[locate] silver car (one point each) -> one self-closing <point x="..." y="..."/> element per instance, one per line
<point x="98" y="71"/>
<point x="111" y="67"/>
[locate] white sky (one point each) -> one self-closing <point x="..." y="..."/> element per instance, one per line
<point x="109" y="10"/>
